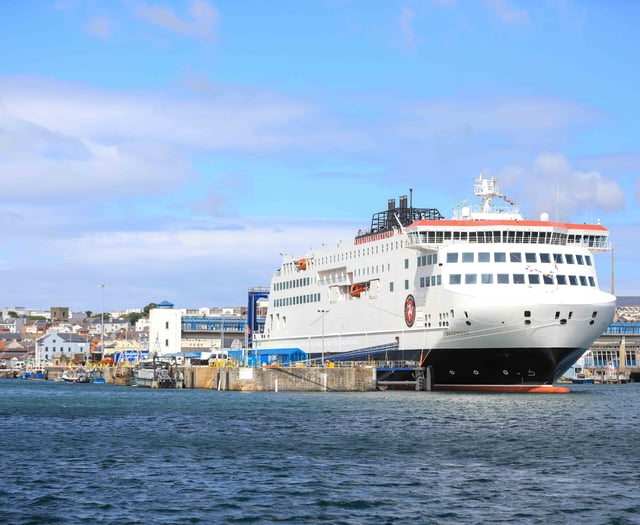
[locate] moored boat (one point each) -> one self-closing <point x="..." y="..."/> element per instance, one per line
<point x="486" y="300"/>
<point x="156" y="373"/>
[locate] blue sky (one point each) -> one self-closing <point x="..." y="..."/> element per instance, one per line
<point x="174" y="149"/>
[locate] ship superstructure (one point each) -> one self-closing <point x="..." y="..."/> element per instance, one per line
<point x="485" y="299"/>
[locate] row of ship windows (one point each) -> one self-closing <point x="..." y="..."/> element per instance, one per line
<point x="530" y="257"/>
<point x="434" y="280"/>
<point x="293" y="283"/>
<point x="517" y="278"/>
<point x="298" y="299"/>
<point x="516" y="237"/>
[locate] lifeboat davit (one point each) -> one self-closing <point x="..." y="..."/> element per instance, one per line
<point x="356" y="289"/>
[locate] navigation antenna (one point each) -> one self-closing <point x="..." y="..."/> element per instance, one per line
<point x="486" y="189"/>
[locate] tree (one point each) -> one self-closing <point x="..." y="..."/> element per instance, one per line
<point x="133" y="317"/>
<point x="150" y="306"/>
<point x="12" y="314"/>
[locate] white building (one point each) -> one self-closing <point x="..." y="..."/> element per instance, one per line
<point x="51" y="347"/>
<point x="165" y="329"/>
<point x="142" y="325"/>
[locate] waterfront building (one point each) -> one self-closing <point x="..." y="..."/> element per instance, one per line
<point x="165" y="329"/>
<point x="173" y="330"/>
<point x="59" y="347"/>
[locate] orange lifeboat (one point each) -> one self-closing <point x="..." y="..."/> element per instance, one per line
<point x="301" y="264"/>
<point x="356" y="289"/>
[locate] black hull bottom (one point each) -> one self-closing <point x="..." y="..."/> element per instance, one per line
<point x="459" y="368"/>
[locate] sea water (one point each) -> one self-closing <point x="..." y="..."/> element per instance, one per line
<point x="90" y="453"/>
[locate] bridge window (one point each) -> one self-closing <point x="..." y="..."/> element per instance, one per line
<point x="452" y="257"/>
<point x="569" y="258"/>
<point x="470" y="278"/>
<point x="467" y="257"/>
<point x="534" y="278"/>
<point x="515" y="257"/>
<point x="503" y="278"/>
<point x="499" y="257"/>
<point x="557" y="258"/>
<point x="530" y="257"/>
<point x="454" y="278"/>
<point x="486" y="278"/>
<point x="518" y="278"/>
<point x="573" y="280"/>
<point x="484" y="257"/>
<point x="562" y="279"/>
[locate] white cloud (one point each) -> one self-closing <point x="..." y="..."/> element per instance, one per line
<point x="201" y="22"/>
<point x="511" y="115"/>
<point x="506" y="12"/>
<point x="58" y="137"/>
<point x="553" y="186"/>
<point x="215" y="263"/>
<point x="405" y="23"/>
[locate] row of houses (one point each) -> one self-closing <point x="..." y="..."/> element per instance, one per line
<point x="61" y="339"/>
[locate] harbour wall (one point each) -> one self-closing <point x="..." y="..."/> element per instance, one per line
<point x="247" y="379"/>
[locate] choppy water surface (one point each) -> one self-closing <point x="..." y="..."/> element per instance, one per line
<point x="105" y="454"/>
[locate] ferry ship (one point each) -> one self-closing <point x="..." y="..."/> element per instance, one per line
<point x="486" y="300"/>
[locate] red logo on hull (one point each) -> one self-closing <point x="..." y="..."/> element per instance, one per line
<point x="409" y="310"/>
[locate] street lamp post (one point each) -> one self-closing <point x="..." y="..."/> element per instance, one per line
<point x="323" y="312"/>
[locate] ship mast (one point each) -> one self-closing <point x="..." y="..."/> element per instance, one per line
<point x="486" y="189"/>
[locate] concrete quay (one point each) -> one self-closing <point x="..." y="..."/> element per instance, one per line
<point x="242" y="379"/>
<point x="277" y="379"/>
<point x="245" y="379"/>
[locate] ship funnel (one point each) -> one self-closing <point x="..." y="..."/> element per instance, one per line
<point x="403" y="202"/>
<point x="391" y="204"/>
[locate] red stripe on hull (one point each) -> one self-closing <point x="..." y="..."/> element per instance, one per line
<point x="527" y="389"/>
